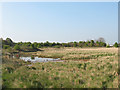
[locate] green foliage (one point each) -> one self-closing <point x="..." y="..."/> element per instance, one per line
<point x="32" y="57"/>
<point x="17" y="47"/>
<point x="9" y="41"/>
<point x="6" y="46"/>
<point x="107" y="45"/>
<point x="116" y="44"/>
<point x="57" y="46"/>
<point x="28" y="46"/>
<point x="75" y="44"/>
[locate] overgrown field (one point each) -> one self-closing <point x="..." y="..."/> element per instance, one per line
<point x="82" y="68"/>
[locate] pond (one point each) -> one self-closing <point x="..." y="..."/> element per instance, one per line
<point x="38" y="59"/>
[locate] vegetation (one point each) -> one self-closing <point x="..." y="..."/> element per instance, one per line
<point x="17" y="47"/>
<point x="116" y="44"/>
<point x="84" y="65"/>
<point x="107" y="45"/>
<point x="28" y="46"/>
<point x="81" y="68"/>
<point x="32" y="57"/>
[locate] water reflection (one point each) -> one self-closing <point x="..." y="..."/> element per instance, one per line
<point x="38" y="59"/>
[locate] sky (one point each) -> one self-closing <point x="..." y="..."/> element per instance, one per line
<point x="60" y="21"/>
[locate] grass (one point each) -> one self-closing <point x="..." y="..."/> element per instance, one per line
<point x="99" y="71"/>
<point x="76" y="53"/>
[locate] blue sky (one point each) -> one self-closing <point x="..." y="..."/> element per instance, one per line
<point x="60" y="22"/>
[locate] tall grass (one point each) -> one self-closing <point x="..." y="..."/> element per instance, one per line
<point x="100" y="71"/>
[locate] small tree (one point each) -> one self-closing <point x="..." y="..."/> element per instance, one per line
<point x="107" y="45"/>
<point x="75" y="44"/>
<point x="6" y="46"/>
<point x="17" y="47"/>
<point x="9" y="41"/>
<point x="101" y="39"/>
<point x="116" y="44"/>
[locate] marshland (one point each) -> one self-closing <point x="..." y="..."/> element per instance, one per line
<point x="81" y="67"/>
<point x="59" y="44"/>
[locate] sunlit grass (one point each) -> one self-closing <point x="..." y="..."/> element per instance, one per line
<point x="100" y="71"/>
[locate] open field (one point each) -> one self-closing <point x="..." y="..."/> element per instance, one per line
<point x="82" y="68"/>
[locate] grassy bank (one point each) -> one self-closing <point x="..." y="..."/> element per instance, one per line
<point x="77" y="53"/>
<point x="100" y="70"/>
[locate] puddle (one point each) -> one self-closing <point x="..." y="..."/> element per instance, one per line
<point x="38" y="59"/>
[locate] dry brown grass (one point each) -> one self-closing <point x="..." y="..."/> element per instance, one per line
<point x="97" y="72"/>
<point x="76" y="53"/>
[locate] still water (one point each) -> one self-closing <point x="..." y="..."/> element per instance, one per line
<point x="38" y="59"/>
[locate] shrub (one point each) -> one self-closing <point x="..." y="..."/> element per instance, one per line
<point x="57" y="46"/>
<point x="17" y="47"/>
<point x="107" y="45"/>
<point x="32" y="57"/>
<point x="116" y="44"/>
<point x="6" y="46"/>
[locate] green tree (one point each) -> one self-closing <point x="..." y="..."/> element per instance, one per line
<point x="6" y="46"/>
<point x="107" y="45"/>
<point x="91" y="43"/>
<point x="101" y="39"/>
<point x="97" y="44"/>
<point x="102" y="44"/>
<point x="53" y="44"/>
<point x="80" y="43"/>
<point x="17" y="47"/>
<point x="116" y="44"/>
<point x="75" y="44"/>
<point x="35" y="44"/>
<point x="46" y="44"/>
<point x="32" y="46"/>
<point x="9" y="41"/>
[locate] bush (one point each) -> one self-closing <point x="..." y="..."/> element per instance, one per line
<point x="17" y="47"/>
<point x="116" y="44"/>
<point x="32" y="57"/>
<point x="57" y="46"/>
<point x="6" y="46"/>
<point x="107" y="45"/>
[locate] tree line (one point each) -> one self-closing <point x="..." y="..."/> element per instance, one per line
<point x="28" y="46"/>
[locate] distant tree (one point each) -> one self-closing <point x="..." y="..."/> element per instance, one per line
<point x="101" y="39"/>
<point x="116" y="44"/>
<point x="6" y="46"/>
<point x="39" y="45"/>
<point x="75" y="44"/>
<point x="9" y="41"/>
<point x="86" y="44"/>
<point x="107" y="45"/>
<point x="35" y="44"/>
<point x="29" y="43"/>
<point x="17" y="47"/>
<point x="70" y="44"/>
<point x="102" y="44"/>
<point x="32" y="46"/>
<point x="97" y="44"/>
<point x="80" y="43"/>
<point x="53" y="44"/>
<point x="91" y="43"/>
<point x="20" y="43"/>
<point x="46" y="44"/>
